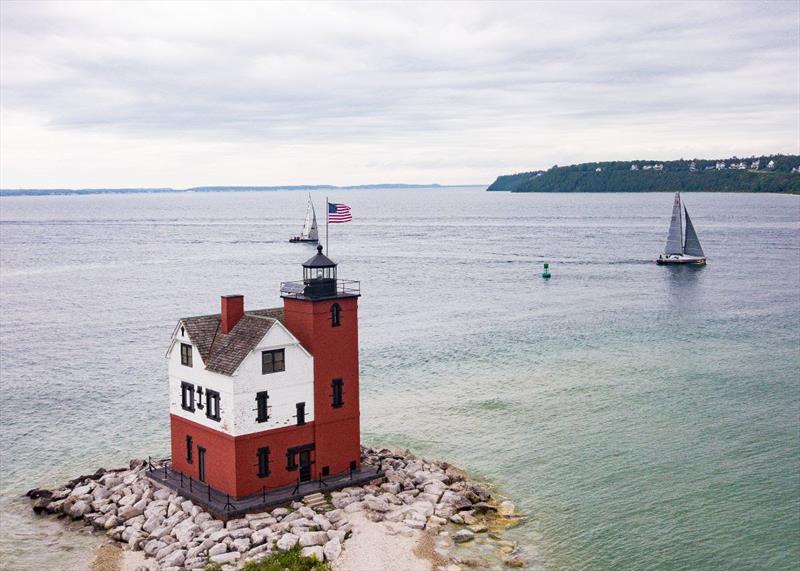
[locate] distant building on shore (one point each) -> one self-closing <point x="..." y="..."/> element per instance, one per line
<point x="771" y="165"/>
<point x="754" y="165"/>
<point x="634" y="167"/>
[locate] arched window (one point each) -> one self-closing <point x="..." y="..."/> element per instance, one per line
<point x="336" y="315"/>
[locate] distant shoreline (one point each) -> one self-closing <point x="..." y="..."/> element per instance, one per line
<point x="87" y="191"/>
<point x="764" y="174"/>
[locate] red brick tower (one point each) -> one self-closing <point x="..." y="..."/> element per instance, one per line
<point x="323" y="315"/>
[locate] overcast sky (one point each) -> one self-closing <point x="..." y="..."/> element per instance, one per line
<point x="184" y="94"/>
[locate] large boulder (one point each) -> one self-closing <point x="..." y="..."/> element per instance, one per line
<point x="79" y="509"/>
<point x="310" y="538"/>
<point x="287" y="541"/>
<point x="224" y="558"/>
<point x="376" y="504"/>
<point x="315" y="552"/>
<point x="129" y="512"/>
<point x="463" y="536"/>
<point x="332" y="549"/>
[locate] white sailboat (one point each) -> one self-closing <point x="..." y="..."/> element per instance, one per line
<point x="310" y="232"/>
<point x="681" y="250"/>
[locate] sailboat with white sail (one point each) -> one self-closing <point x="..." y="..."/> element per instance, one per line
<point x="310" y="232"/>
<point x="681" y="249"/>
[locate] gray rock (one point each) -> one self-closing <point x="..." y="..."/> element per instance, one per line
<point x="217" y="549"/>
<point x="256" y="524"/>
<point x="287" y="541"/>
<point x="463" y="536"/>
<point x="153" y="546"/>
<point x="391" y="487"/>
<point x="313" y="538"/>
<point x="212" y="525"/>
<point x="82" y="490"/>
<point x="241" y="545"/>
<point x="279" y="512"/>
<point x="79" y="509"/>
<point x="257" y="550"/>
<point x="241" y="532"/>
<point x="315" y="552"/>
<point x="187" y="506"/>
<point x="165" y="551"/>
<point x="354" y="507"/>
<point x="224" y="558"/>
<point x="332" y="549"/>
<point x="128" y="500"/>
<point x="129" y="512"/>
<point x="219" y="535"/>
<point x="306" y="512"/>
<point x="152" y="523"/>
<point x="162" y="494"/>
<point x="321" y="521"/>
<point x="376" y="504"/>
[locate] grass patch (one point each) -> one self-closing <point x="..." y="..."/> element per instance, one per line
<point x="286" y="561"/>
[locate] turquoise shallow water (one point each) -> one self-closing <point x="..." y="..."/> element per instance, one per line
<point x="643" y="417"/>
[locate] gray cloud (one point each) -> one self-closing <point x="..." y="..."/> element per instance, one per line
<point x="347" y="93"/>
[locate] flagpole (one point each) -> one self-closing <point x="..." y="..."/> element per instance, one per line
<point x="327" y="210"/>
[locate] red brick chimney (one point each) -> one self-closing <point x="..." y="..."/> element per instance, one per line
<point x="232" y="311"/>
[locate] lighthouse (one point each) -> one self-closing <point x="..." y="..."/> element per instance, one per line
<point x="267" y="399"/>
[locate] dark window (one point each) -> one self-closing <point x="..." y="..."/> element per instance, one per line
<point x="201" y="463"/>
<point x="187" y="396"/>
<point x="212" y="404"/>
<point x="336" y="315"/>
<point x="326" y="471"/>
<point x="291" y="460"/>
<point x="188" y="449"/>
<point x="338" y="392"/>
<point x="262" y="398"/>
<point x="263" y="462"/>
<point x="186" y="354"/>
<point x="272" y="361"/>
<point x="301" y="413"/>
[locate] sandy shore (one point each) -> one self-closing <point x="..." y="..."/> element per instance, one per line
<point x="112" y="557"/>
<point x="370" y="547"/>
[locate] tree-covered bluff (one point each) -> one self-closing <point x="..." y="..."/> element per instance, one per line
<point x="767" y="173"/>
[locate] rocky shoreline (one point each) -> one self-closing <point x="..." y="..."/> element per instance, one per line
<point x="436" y="504"/>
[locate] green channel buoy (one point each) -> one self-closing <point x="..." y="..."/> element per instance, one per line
<point x="546" y="272"/>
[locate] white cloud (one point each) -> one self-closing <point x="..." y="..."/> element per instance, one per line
<point x="180" y="94"/>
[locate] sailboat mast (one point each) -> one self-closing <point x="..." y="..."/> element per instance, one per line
<point x="327" y="210"/>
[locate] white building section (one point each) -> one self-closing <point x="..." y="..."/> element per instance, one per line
<point x="238" y="407"/>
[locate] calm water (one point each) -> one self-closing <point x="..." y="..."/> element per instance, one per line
<point x="644" y="417"/>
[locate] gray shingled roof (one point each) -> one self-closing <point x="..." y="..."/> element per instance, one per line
<point x="224" y="353"/>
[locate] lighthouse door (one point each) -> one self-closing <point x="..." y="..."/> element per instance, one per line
<point x="305" y="465"/>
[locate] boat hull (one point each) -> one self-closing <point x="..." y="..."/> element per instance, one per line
<point x="675" y="260"/>
<point x="297" y="239"/>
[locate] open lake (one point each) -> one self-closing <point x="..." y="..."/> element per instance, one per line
<point x="643" y="417"/>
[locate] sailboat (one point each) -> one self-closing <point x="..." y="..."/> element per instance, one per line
<point x="681" y="250"/>
<point x="310" y="232"/>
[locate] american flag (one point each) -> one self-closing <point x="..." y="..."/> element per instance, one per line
<point x="338" y="213"/>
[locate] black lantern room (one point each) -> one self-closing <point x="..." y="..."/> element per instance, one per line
<point x="319" y="276"/>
